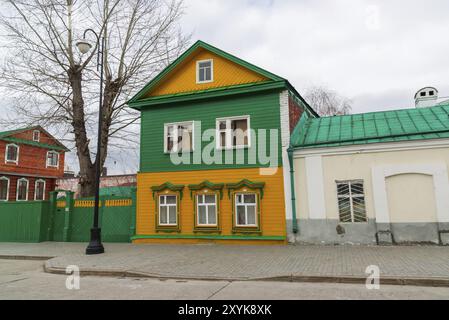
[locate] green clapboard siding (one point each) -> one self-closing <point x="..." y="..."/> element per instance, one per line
<point x="24" y="221"/>
<point x="263" y="109"/>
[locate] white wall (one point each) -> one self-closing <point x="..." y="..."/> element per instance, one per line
<point x="414" y="163"/>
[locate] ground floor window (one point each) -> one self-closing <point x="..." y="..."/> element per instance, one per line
<point x="168" y="210"/>
<point x="246" y="210"/>
<point x="4" y="188"/>
<point x="351" y="201"/>
<point x="22" y="190"/>
<point x="207" y="210"/>
<point x="39" y="191"/>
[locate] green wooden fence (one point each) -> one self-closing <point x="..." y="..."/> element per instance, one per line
<point x="67" y="219"/>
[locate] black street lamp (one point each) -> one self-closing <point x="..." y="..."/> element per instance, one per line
<point x="95" y="245"/>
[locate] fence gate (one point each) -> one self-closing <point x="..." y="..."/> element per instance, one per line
<point x="73" y="219"/>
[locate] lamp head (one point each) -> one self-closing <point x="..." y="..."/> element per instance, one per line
<point x="84" y="46"/>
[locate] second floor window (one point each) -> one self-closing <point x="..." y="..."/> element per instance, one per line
<point x="12" y="153"/>
<point x="233" y="133"/>
<point x="52" y="159"/>
<point x="179" y="137"/>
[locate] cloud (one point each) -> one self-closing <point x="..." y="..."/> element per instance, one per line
<point x="357" y="47"/>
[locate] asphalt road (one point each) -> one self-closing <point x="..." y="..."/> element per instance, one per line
<point x="27" y="280"/>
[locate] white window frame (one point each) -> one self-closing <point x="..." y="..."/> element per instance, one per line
<point x="211" y="71"/>
<point x="6" y="153"/>
<point x="175" y="133"/>
<point x="18" y="186"/>
<point x="207" y="205"/>
<point x="228" y="130"/>
<point x="38" y="135"/>
<point x="168" y="224"/>
<point x="351" y="196"/>
<point x="7" y="188"/>
<point x="246" y="205"/>
<point x="35" y="189"/>
<point x="50" y="165"/>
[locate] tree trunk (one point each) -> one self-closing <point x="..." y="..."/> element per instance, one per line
<point x="87" y="168"/>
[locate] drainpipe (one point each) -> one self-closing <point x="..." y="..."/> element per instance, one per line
<point x="292" y="188"/>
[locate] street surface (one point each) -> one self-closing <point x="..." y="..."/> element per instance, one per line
<point x="27" y="280"/>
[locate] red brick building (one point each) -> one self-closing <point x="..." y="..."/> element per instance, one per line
<point x="30" y="162"/>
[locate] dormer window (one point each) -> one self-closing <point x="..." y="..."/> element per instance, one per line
<point x="431" y="93"/>
<point x="423" y="94"/>
<point x="205" y="71"/>
<point x="12" y="154"/>
<point x="36" y="135"/>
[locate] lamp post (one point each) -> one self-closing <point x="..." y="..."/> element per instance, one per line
<point x="95" y="245"/>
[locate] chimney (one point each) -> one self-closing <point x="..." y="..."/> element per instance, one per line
<point x="426" y="97"/>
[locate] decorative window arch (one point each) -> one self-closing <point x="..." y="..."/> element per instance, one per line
<point x="12" y="153"/>
<point x="4" y="188"/>
<point x="39" y="190"/>
<point x="52" y="159"/>
<point x="22" y="189"/>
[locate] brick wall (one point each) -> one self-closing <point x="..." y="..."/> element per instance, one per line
<point x="32" y="160"/>
<point x="49" y="186"/>
<point x="295" y="112"/>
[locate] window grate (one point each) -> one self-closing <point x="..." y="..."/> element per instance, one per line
<point x="351" y="202"/>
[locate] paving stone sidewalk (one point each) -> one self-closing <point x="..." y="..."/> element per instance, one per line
<point x="219" y="262"/>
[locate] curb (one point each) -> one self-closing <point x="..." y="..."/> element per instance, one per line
<point x="135" y="274"/>
<point x="386" y="280"/>
<point x="397" y="281"/>
<point x="29" y="258"/>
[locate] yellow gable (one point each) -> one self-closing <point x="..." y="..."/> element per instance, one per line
<point x="184" y="77"/>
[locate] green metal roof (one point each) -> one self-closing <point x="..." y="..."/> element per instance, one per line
<point x="374" y="127"/>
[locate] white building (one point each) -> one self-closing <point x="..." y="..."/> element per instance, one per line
<point x="375" y="176"/>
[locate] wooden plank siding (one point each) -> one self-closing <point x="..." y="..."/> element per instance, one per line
<point x="32" y="161"/>
<point x="226" y="73"/>
<point x="272" y="205"/>
<point x="49" y="186"/>
<point x="263" y="109"/>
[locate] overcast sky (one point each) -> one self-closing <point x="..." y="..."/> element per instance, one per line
<point x="378" y="53"/>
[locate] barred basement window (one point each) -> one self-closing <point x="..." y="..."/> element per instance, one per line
<point x="351" y="201"/>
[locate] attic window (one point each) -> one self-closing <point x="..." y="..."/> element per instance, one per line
<point x="36" y="135"/>
<point x="205" y="71"/>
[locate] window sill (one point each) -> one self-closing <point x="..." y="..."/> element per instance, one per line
<point x="174" y="229"/>
<point x="216" y="230"/>
<point x="246" y="230"/>
<point x="178" y="153"/>
<point x="233" y="148"/>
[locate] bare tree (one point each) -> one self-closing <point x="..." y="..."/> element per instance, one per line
<point x="327" y="102"/>
<point x="56" y="86"/>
